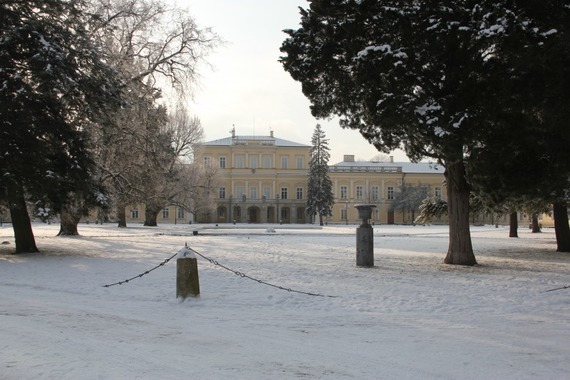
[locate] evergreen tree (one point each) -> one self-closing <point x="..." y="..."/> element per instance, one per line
<point x="426" y="75"/>
<point x="526" y="160"/>
<point x="54" y="85"/>
<point x="320" y="198"/>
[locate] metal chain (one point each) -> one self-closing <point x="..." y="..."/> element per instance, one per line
<point x="560" y="288"/>
<point x="142" y="274"/>
<point x="243" y="275"/>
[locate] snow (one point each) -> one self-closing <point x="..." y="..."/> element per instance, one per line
<point x="187" y="253"/>
<point x="385" y="48"/>
<point x="440" y="132"/>
<point x="549" y="32"/>
<point x="458" y="123"/>
<point x="426" y="108"/>
<point x="409" y="317"/>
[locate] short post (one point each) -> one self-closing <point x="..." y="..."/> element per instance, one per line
<point x="187" y="282"/>
<point x="365" y="237"/>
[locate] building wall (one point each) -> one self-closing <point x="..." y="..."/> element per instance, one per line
<point x="258" y="181"/>
<point x="261" y="182"/>
<point x="170" y="214"/>
<point x="377" y="185"/>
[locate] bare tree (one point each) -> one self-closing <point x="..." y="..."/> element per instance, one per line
<point x="381" y="157"/>
<point x="171" y="178"/>
<point x="409" y="198"/>
<point x="153" y="47"/>
<point x="151" y="41"/>
<point x="186" y="132"/>
<point x="198" y="182"/>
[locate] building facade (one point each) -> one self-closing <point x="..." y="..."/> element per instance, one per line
<point x="379" y="184"/>
<point x="263" y="179"/>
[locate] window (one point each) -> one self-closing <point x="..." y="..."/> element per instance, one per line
<point x="343" y="214"/>
<point x="253" y="193"/>
<point x="437" y="192"/>
<point x="266" y="192"/>
<point x="375" y="193"/>
<point x="359" y="192"/>
<point x="283" y="193"/>
<point x="284" y="162"/>
<point x="165" y="213"/>
<point x="299" y="161"/>
<point x="299" y="193"/>
<point x="240" y="161"/>
<point x="343" y="192"/>
<point x="135" y="213"/>
<point x="267" y="161"/>
<point x="207" y="161"/>
<point x="180" y="213"/>
<point x="222" y="162"/>
<point x="222" y="192"/>
<point x="390" y="194"/>
<point x="240" y="192"/>
<point x="253" y="162"/>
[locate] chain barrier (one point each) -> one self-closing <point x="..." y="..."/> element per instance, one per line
<point x="238" y="273"/>
<point x="142" y="274"/>
<point x="560" y="288"/>
<point x="243" y="275"/>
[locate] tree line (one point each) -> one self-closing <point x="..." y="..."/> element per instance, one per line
<point x="84" y="122"/>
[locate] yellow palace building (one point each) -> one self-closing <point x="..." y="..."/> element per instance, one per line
<point x="263" y="179"/>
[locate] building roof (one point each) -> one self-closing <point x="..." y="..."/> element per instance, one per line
<point x="387" y="167"/>
<point x="258" y="140"/>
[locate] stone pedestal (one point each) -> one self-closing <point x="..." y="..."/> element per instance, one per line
<point x="365" y="237"/>
<point x="187" y="282"/>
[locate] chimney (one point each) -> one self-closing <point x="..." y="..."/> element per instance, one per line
<point x="392" y="159"/>
<point x="349" y="158"/>
<point x="271" y="133"/>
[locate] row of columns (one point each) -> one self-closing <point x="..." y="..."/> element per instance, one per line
<point x="261" y="212"/>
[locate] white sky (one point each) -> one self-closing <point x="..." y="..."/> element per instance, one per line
<point x="249" y="88"/>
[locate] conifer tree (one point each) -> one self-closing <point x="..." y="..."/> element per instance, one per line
<point x="320" y="198"/>
<point x="54" y="86"/>
<point x="429" y="76"/>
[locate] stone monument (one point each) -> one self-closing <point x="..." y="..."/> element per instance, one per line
<point x="365" y="237"/>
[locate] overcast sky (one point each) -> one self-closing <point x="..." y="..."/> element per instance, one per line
<point x="248" y="87"/>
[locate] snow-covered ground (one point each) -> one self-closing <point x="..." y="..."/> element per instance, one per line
<point x="410" y="317"/>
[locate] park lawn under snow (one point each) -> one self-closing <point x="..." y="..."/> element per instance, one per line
<point x="409" y="317"/>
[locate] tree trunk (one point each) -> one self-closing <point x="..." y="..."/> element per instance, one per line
<point x="513" y="224"/>
<point x="460" y="251"/>
<point x="150" y="215"/>
<point x="23" y="233"/>
<point x="535" y="225"/>
<point x="561" y="227"/>
<point x="121" y="215"/>
<point x="321" y="220"/>
<point x="69" y="219"/>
